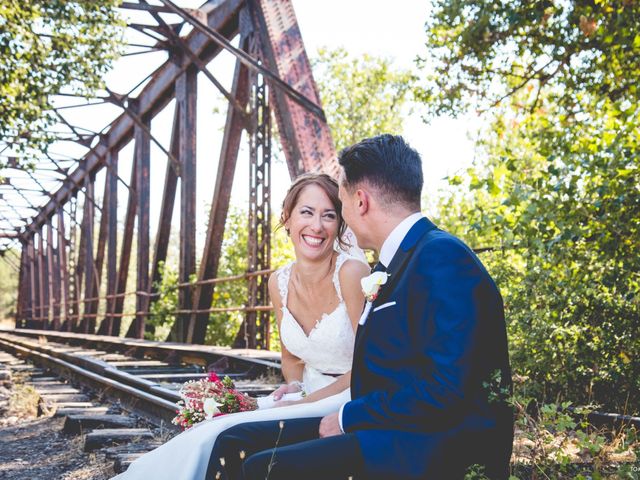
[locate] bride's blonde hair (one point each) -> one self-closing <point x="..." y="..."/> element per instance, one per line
<point x="330" y="187"/>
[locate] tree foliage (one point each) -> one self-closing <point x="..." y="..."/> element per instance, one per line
<point x="48" y="47"/>
<point x="556" y="184"/>
<point x="9" y="285"/>
<point x="162" y="309"/>
<point x="362" y="96"/>
<point x="481" y="52"/>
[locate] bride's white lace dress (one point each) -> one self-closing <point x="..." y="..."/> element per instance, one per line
<point x="328" y="349"/>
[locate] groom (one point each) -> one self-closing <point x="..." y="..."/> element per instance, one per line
<point x="430" y="372"/>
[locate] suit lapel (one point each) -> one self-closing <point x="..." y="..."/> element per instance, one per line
<point x="397" y="265"/>
<point x="402" y="256"/>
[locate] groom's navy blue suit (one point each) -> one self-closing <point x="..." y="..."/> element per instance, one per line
<point x="430" y="370"/>
<point x="429" y="366"/>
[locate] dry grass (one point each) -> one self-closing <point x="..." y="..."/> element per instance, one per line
<point x="560" y="445"/>
<point x="23" y="402"/>
<point x="568" y="447"/>
<point x="163" y="434"/>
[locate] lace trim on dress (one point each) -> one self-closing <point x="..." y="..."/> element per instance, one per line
<point x="283" y="282"/>
<point x="336" y="274"/>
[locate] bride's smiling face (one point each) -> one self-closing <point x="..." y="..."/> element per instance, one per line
<point x="313" y="224"/>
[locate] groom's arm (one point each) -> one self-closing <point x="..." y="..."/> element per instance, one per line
<point x="444" y="321"/>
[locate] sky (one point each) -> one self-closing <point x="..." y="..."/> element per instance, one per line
<point x="391" y="29"/>
<point x="394" y="30"/>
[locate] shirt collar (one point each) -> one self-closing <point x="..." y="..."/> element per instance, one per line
<point x="394" y="240"/>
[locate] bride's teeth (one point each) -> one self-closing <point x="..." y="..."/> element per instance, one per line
<point x="313" y="241"/>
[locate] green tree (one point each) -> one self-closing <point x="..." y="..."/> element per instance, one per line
<point x="162" y="310"/>
<point x="555" y="187"/>
<point x="48" y="47"/>
<point x="8" y="286"/>
<point x="362" y="96"/>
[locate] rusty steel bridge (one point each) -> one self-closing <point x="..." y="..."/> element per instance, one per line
<point x="72" y="234"/>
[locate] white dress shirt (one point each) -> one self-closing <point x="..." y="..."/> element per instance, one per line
<point x="387" y="252"/>
<point x="395" y="238"/>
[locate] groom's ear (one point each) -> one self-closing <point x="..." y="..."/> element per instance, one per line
<point x="363" y="201"/>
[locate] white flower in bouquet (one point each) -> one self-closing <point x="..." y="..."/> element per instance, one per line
<point x="210" y="407"/>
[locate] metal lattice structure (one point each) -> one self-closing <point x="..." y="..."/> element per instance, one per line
<point x="65" y="253"/>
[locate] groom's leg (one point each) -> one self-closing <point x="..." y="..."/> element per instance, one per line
<point x="238" y="443"/>
<point x="331" y="458"/>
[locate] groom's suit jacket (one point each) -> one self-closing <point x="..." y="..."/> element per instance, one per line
<point x="431" y="367"/>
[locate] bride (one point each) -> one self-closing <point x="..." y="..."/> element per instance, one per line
<point x="317" y="301"/>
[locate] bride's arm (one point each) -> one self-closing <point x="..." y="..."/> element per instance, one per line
<point x="292" y="366"/>
<point x="350" y="275"/>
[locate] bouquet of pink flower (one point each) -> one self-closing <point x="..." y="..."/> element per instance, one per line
<point x="208" y="398"/>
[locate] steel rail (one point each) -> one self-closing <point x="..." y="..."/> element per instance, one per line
<point x="201" y="354"/>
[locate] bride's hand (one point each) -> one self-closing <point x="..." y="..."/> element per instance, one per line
<point x="292" y="387"/>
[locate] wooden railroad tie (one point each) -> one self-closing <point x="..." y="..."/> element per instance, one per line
<point x="79" y="423"/>
<point x="114" y="436"/>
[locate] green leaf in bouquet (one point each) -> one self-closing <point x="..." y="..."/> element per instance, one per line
<point x="228" y="383"/>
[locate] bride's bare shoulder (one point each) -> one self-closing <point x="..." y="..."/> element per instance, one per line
<point x="351" y="272"/>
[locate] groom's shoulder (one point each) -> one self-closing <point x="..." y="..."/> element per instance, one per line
<point x="438" y="244"/>
<point x="439" y="251"/>
<point x="438" y="238"/>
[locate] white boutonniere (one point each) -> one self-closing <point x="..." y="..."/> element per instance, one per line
<point x="210" y="407"/>
<point x="371" y="285"/>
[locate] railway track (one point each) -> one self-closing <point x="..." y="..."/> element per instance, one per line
<point x="143" y="376"/>
<point x="127" y="380"/>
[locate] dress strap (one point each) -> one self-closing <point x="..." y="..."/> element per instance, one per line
<point x="283" y="282"/>
<point x="336" y="274"/>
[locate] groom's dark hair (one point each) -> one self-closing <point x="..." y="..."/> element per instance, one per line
<point x="387" y="163"/>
